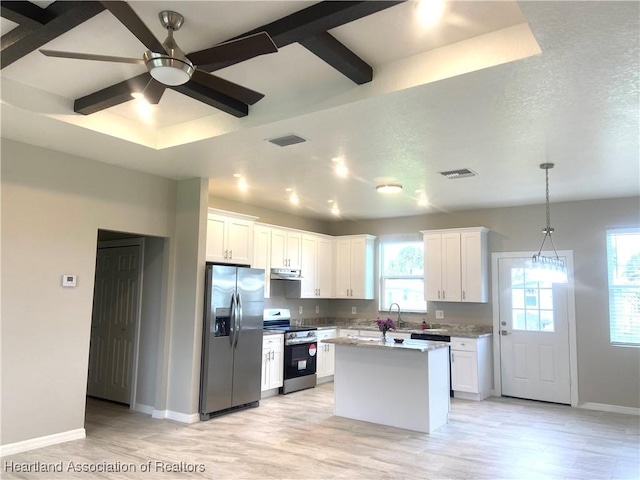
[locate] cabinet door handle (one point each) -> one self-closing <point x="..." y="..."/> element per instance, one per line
<point x="452" y="358"/>
<point x="225" y="254"/>
<point x="273" y="355"/>
<point x="438" y="294"/>
<point x="463" y="295"/>
<point x="230" y="254"/>
<point x="443" y="297"/>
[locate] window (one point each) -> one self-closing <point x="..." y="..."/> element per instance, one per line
<point x="402" y="275"/>
<point x="531" y="302"/>
<point x="623" y="259"/>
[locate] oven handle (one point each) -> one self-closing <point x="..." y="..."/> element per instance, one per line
<point x="301" y="342"/>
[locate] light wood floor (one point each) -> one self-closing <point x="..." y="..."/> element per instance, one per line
<point x="297" y="437"/>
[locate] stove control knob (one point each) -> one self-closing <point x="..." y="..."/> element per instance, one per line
<point x="291" y="335"/>
<point x="310" y="334"/>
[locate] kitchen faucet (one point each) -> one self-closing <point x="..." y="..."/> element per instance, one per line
<point x="399" y="320"/>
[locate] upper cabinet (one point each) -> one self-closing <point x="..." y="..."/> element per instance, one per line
<point x="286" y="248"/>
<point x="262" y="254"/>
<point x="229" y="237"/>
<point x="456" y="265"/>
<point x="354" y="266"/>
<point x="317" y="266"/>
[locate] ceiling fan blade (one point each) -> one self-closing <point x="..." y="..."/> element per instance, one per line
<point x="90" y="56"/>
<point x="239" y="49"/>
<point x="125" y="14"/>
<point x="233" y="90"/>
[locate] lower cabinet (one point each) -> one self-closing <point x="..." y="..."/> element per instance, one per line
<point x="325" y="363"/>
<point x="272" y="366"/>
<point x="471" y="368"/>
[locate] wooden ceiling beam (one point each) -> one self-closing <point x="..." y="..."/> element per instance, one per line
<point x="325" y="46"/>
<point x="58" y="18"/>
<point x="213" y="98"/>
<point x="313" y="21"/>
<point x="307" y="27"/>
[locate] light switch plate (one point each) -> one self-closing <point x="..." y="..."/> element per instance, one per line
<point x="440" y="314"/>
<point x="317" y="309"/>
<point x="353" y="310"/>
<point x="68" y="280"/>
<point x="300" y="309"/>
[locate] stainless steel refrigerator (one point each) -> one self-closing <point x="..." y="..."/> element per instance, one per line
<point x="231" y="339"/>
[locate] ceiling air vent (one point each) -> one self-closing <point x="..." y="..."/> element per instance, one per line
<point x="461" y="173"/>
<point x="287" y="140"/>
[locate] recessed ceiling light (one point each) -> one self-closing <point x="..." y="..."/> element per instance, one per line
<point x="237" y="175"/>
<point x="335" y="210"/>
<point x="423" y="202"/>
<point x="288" y="189"/>
<point x="242" y="184"/>
<point x="389" y="188"/>
<point x="342" y="170"/>
<point x="329" y="201"/>
<point x="293" y="198"/>
<point x="429" y="12"/>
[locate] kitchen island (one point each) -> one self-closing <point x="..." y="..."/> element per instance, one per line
<point x="404" y="385"/>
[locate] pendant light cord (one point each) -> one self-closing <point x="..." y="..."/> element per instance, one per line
<point x="548" y="230"/>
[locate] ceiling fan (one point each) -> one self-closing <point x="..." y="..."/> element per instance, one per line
<point x="170" y="66"/>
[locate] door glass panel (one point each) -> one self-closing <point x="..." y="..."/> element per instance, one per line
<point x="531" y="303"/>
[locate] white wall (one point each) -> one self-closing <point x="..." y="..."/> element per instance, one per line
<point x="52" y="207"/>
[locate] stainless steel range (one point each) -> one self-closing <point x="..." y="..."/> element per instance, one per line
<point x="300" y="348"/>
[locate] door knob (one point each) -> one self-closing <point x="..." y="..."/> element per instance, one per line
<point x="504" y="332"/>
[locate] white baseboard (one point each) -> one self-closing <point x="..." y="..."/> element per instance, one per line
<point x="139" y="407"/>
<point x="39" y="442"/>
<point x="177" y="416"/>
<point x="603" y="407"/>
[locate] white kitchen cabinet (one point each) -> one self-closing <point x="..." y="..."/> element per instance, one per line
<point x="229" y="237"/>
<point x="272" y="366"/>
<point x="354" y="266"/>
<point x="317" y="266"/>
<point x="471" y="368"/>
<point x="286" y="248"/>
<point x="325" y="366"/>
<point x="456" y="265"/>
<point x="262" y="254"/>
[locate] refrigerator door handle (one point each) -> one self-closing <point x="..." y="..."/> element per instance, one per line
<point x="232" y="320"/>
<point x="239" y="315"/>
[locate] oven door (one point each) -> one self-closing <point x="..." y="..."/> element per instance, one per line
<point x="300" y="359"/>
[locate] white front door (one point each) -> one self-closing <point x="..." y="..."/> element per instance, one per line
<point x="534" y="335"/>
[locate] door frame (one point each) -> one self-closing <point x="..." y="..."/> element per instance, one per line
<point x="571" y="318"/>
<point x="131" y="242"/>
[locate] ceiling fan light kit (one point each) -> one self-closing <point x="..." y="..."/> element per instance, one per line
<point x="172" y="68"/>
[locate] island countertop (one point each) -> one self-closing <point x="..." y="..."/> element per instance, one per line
<point x="407" y="345"/>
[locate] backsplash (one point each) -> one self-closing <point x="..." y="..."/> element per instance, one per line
<point x="338" y="311"/>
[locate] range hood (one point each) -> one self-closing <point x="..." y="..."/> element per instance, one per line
<point x="286" y="274"/>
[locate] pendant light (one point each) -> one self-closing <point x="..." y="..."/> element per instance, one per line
<point x="547" y="269"/>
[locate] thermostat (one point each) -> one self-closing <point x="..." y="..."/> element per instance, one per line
<point x="68" y="280"/>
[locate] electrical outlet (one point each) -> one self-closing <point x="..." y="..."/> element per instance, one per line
<point x="353" y="310"/>
<point x="440" y="314"/>
<point x="317" y="309"/>
<point x="300" y="309"/>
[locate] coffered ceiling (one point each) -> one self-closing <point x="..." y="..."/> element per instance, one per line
<point x="495" y="87"/>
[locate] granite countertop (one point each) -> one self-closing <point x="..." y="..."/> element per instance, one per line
<point x="451" y="330"/>
<point x="407" y="345"/>
<point x="272" y="332"/>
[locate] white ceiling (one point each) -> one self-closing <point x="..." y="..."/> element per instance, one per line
<point x="497" y="87"/>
